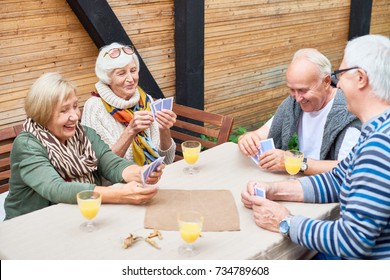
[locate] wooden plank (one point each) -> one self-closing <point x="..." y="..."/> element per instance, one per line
<point x="5" y="175"/>
<point x="4" y="188"/>
<point x="196" y="128"/>
<point x="4" y="162"/>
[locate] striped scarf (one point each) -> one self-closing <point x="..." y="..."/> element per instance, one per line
<point x="143" y="149"/>
<point x="74" y="161"/>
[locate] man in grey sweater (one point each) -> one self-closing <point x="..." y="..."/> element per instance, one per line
<point x="314" y="114"/>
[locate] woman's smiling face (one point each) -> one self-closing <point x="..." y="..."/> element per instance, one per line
<point x="124" y="81"/>
<point x="64" y="118"/>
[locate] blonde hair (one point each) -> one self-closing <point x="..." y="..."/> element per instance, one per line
<point x="105" y="64"/>
<point x="46" y="92"/>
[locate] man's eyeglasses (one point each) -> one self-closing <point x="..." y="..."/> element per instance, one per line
<point x="337" y="73"/>
<point x="116" y="52"/>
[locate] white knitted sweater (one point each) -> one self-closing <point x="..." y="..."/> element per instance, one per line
<point x="96" y="116"/>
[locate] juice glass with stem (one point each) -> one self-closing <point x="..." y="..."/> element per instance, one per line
<point x="191" y="150"/>
<point x="292" y="162"/>
<point x="190" y="226"/>
<point x="89" y="203"/>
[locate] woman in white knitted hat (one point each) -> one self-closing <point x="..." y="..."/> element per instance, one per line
<point x="120" y="111"/>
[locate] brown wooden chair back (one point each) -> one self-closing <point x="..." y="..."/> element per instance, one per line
<point x="191" y="123"/>
<point x="7" y="136"/>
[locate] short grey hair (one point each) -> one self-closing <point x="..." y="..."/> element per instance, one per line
<point x="317" y="58"/>
<point x="47" y="91"/>
<point x="372" y="54"/>
<point x="105" y="64"/>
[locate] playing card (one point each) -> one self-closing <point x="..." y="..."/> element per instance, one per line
<point x="167" y="103"/>
<point x="151" y="168"/>
<point x="153" y="110"/>
<point x="266" y="145"/>
<point x="158" y="104"/>
<point x="256" y="158"/>
<point x="259" y="191"/>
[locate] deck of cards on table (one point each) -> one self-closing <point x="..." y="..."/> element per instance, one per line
<point x="265" y="145"/>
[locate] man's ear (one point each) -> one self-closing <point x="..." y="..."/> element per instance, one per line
<point x="328" y="80"/>
<point x="362" y="78"/>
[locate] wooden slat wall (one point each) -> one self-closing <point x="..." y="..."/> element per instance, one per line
<point x="43" y="36"/>
<point x="248" y="45"/>
<point x="38" y="37"/>
<point x="380" y="17"/>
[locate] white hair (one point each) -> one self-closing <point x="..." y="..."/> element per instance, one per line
<point x="372" y="54"/>
<point x="318" y="59"/>
<point x="105" y="64"/>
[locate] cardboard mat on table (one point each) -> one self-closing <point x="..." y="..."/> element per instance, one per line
<point x="217" y="207"/>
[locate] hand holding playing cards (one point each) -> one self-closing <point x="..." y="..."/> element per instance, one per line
<point x="254" y="188"/>
<point x="249" y="143"/>
<point x="272" y="160"/>
<point x="151" y="173"/>
<point x="141" y="121"/>
<point x="267" y="213"/>
<point x="143" y="174"/>
<point x="165" y="118"/>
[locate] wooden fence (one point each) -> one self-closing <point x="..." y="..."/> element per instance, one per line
<point x="248" y="45"/>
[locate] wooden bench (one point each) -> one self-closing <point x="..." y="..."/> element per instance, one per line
<point x="7" y="136"/>
<point x="193" y="123"/>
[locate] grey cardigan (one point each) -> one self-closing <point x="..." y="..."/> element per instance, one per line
<point x="287" y="117"/>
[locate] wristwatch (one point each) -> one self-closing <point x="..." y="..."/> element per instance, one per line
<point x="304" y="165"/>
<point x="284" y="226"/>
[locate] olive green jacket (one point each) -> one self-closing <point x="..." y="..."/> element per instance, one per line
<point x="35" y="183"/>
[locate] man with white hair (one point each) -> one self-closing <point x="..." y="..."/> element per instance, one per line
<point x="314" y="114"/>
<point x="360" y="182"/>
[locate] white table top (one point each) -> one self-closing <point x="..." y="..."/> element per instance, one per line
<point x="53" y="232"/>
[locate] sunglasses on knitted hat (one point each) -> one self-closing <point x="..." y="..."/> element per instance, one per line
<point x="116" y="52"/>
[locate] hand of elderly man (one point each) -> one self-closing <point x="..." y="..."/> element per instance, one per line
<point x="267" y="213"/>
<point x="249" y="192"/>
<point x="272" y="160"/>
<point x="249" y="143"/>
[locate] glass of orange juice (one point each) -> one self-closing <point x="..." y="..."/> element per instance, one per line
<point x="89" y="203"/>
<point x="190" y="227"/>
<point x="292" y="162"/>
<point x="191" y="151"/>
